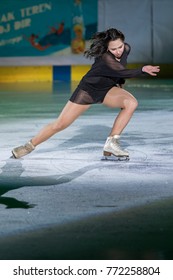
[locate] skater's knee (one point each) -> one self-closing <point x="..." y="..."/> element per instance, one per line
<point x="134" y="104"/>
<point x="59" y="125"/>
<point x="56" y="127"/>
<point x="131" y="104"/>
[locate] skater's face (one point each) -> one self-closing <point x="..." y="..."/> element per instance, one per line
<point x="116" y="47"/>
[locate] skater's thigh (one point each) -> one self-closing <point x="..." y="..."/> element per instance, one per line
<point x="118" y="98"/>
<point x="71" y="112"/>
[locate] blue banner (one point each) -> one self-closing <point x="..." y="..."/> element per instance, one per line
<point x="38" y="27"/>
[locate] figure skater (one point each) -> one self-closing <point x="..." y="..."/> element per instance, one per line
<point x="101" y="84"/>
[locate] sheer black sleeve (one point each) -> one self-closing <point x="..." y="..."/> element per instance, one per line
<point x="112" y="68"/>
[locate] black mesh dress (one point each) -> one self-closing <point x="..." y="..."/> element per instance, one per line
<point x="105" y="73"/>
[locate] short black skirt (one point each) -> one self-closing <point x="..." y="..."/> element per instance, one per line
<point x="83" y="97"/>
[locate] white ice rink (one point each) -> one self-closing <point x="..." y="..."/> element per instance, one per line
<point x="64" y="192"/>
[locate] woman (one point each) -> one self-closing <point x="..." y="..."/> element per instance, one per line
<point x="102" y="84"/>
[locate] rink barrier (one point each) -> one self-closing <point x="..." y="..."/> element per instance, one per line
<point x="12" y="74"/>
<point x="67" y="73"/>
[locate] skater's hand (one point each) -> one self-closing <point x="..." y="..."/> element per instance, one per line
<point x="151" y="70"/>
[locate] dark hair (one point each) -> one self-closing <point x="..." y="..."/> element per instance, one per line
<point x="100" y="42"/>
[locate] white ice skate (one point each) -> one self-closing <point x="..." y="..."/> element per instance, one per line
<point x="21" y="151"/>
<point x="112" y="147"/>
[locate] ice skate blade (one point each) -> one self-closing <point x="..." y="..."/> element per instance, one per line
<point x="13" y="155"/>
<point x="114" y="158"/>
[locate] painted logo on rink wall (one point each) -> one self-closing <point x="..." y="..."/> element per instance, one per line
<point x="37" y="28"/>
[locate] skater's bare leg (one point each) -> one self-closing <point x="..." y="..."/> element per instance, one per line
<point x="68" y="115"/>
<point x="120" y="98"/>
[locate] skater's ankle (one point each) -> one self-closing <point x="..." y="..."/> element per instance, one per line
<point x="115" y="136"/>
<point x="32" y="145"/>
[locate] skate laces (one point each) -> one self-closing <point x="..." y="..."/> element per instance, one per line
<point x="116" y="143"/>
<point x="29" y="147"/>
